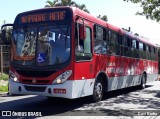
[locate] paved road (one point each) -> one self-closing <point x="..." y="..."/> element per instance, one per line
<point x="127" y="102"/>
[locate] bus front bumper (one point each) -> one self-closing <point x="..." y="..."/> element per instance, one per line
<point x="57" y="90"/>
<point x="70" y="89"/>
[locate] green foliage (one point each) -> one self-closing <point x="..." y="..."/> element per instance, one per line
<point x="50" y="3"/>
<point x="59" y="3"/>
<point x="71" y="3"/>
<point x="4" y="88"/>
<point x="104" y="17"/>
<point x="82" y="7"/>
<point x="3" y="84"/>
<point x="66" y="3"/>
<point x="4" y="77"/>
<point x="150" y="8"/>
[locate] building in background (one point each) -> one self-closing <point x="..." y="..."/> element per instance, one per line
<point x="4" y="58"/>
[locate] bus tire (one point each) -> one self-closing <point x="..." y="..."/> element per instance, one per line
<point x="98" y="90"/>
<point x="143" y="81"/>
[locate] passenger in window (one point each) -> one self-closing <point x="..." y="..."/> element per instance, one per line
<point x="65" y="42"/>
<point x="43" y="47"/>
<point x="110" y="50"/>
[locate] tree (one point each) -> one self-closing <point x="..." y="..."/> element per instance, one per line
<point x="82" y="7"/>
<point x="104" y="17"/>
<point x="150" y="8"/>
<point x="66" y="3"/>
<point x="60" y="3"/>
<point x="51" y="4"/>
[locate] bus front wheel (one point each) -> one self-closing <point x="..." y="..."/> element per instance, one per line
<point x="98" y="90"/>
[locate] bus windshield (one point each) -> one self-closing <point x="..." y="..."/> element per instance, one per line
<point x="41" y="45"/>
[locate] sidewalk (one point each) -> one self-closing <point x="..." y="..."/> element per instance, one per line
<point x="3" y="94"/>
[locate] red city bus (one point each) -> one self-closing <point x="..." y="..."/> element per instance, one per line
<point x="66" y="52"/>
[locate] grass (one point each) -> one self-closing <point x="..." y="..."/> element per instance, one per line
<point x="3" y="77"/>
<point x="4" y="88"/>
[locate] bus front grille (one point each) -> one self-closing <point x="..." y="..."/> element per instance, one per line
<point x="35" y="88"/>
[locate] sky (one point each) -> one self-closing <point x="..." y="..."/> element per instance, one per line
<point x="119" y="13"/>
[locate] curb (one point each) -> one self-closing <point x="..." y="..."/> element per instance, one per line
<point x="3" y="93"/>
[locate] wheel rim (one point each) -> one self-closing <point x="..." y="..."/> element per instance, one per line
<point x="98" y="91"/>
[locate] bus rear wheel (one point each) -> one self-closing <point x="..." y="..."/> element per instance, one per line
<point x="98" y="90"/>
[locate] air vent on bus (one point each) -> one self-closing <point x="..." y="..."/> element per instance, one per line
<point x="35" y="88"/>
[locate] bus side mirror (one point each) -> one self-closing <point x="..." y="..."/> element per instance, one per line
<point x="82" y="32"/>
<point x="3" y="36"/>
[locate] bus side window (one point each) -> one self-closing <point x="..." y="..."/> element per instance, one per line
<point x="144" y="51"/>
<point x="100" y="44"/>
<point x="133" y="48"/>
<point x="156" y="54"/>
<point x="140" y="49"/>
<point x="129" y="46"/>
<point x="134" y="44"/>
<point x="153" y="53"/>
<point x="147" y="52"/>
<point x="137" y="49"/>
<point x="150" y="57"/>
<point x="158" y="58"/>
<point x="113" y="40"/>
<point x="118" y="43"/>
<point x="83" y="47"/>
<point x="79" y="44"/>
<point x="125" y="50"/>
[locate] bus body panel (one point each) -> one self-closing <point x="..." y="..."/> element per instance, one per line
<point x="120" y="71"/>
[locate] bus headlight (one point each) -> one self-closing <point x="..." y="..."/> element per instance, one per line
<point x="13" y="77"/>
<point x="63" y="77"/>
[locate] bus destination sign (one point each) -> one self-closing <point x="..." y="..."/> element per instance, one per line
<point x="41" y="17"/>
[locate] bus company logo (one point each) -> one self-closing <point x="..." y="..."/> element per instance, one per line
<point x="34" y="80"/>
<point x="6" y="113"/>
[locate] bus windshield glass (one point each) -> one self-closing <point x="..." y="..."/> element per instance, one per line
<point x="41" y="43"/>
<point x="46" y="45"/>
